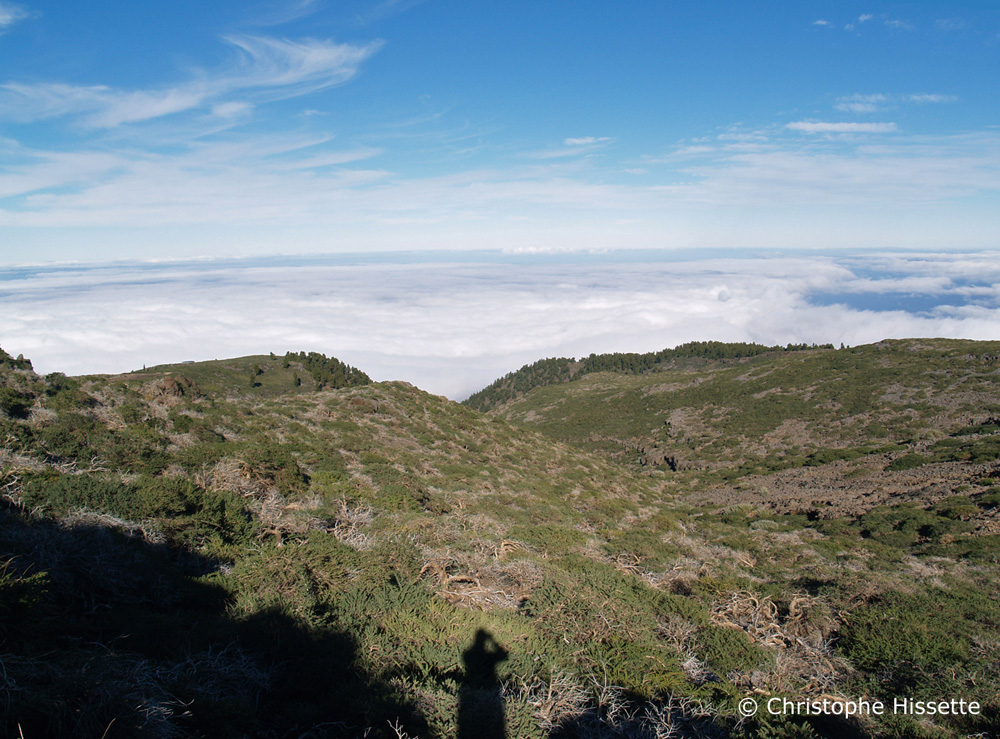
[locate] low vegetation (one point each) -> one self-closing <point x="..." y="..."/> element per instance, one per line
<point x="276" y="546"/>
<point x="559" y="370"/>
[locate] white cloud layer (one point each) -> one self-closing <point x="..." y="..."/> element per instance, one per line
<point x="452" y="323"/>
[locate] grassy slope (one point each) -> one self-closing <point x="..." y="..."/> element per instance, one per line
<point x="558" y="370"/>
<point x="222" y="376"/>
<point x="258" y="375"/>
<point x="227" y="559"/>
<point x="781" y="410"/>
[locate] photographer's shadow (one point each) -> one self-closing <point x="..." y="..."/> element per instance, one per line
<point x="480" y="701"/>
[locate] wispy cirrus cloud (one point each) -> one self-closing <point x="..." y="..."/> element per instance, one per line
<point x="854" y="171"/>
<point x="952" y="24"/>
<point x="11" y="14"/>
<point x="878" y="102"/>
<point x="573" y="146"/>
<point x="862" y="103"/>
<point x="586" y="140"/>
<point x="931" y="98"/>
<point x="266" y="68"/>
<point x="385" y="9"/>
<point x="251" y="180"/>
<point x="862" y="19"/>
<point x="280" y="14"/>
<point x="248" y="193"/>
<point x="840" y="127"/>
<point x="854" y="26"/>
<point x="288" y="67"/>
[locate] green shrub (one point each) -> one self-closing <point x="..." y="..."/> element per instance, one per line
<point x="898" y="526"/>
<point x="165" y="496"/>
<point x="989" y="498"/>
<point x="274" y="464"/>
<point x="979" y="451"/>
<point x="736" y="516"/>
<point x="330" y="462"/>
<point x="181" y="422"/>
<point x="304" y="582"/>
<point x="70" y="436"/>
<point x="55" y="492"/>
<point x="63" y="393"/>
<point x="642" y="666"/>
<point x="907" y="462"/>
<point x="786" y="727"/>
<point x="74" y="436"/>
<point x="984" y="549"/>
<point x="644" y="545"/>
<point x="956" y="507"/>
<point x="586" y="607"/>
<point x="928" y="633"/>
<point x="548" y="538"/>
<point x="15" y="403"/>
<point x="16" y="434"/>
<point x="148" y="497"/>
<point x="134" y="413"/>
<point x="21" y="598"/>
<point x="985" y="450"/>
<point x="223" y="518"/>
<point x="135" y="450"/>
<point x="204" y="455"/>
<point x="726" y="650"/>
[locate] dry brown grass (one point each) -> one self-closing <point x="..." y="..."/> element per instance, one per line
<point x="350" y="521"/>
<point x="556" y="701"/>
<point x="478" y="580"/>
<point x="799" y="639"/>
<point x="148" y="531"/>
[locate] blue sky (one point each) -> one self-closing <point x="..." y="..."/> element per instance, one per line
<point x="472" y="186"/>
<point x="191" y="129"/>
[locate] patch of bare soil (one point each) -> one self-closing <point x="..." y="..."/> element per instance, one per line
<point x="848" y="488"/>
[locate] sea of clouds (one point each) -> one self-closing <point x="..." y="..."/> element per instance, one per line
<point x="452" y="322"/>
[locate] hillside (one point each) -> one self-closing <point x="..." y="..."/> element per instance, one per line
<point x="264" y="375"/>
<point x="558" y="370"/>
<point x="243" y="548"/>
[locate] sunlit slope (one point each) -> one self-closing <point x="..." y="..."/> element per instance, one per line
<point x="263" y="375"/>
<point x="775" y="411"/>
<point x="558" y="370"/>
<point x="388" y="444"/>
